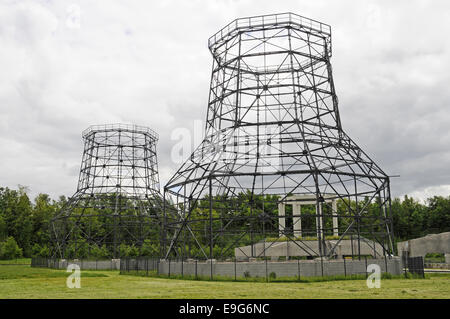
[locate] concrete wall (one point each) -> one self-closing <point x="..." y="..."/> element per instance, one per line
<point x="436" y="243"/>
<point x="304" y="268"/>
<point x="113" y="264"/>
<point x="307" y="248"/>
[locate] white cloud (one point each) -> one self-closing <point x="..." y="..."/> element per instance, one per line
<point x="427" y="192"/>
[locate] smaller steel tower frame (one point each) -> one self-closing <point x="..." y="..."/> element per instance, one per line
<point x="117" y="199"/>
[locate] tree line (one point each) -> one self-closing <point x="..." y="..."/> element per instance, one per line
<point x="24" y="223"/>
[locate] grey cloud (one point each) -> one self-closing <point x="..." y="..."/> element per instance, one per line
<point x="149" y="64"/>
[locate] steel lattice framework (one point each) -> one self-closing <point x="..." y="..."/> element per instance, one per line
<point x="117" y="199"/>
<point x="273" y="133"/>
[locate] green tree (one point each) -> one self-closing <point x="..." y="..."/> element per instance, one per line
<point x="438" y="214"/>
<point x="408" y="218"/>
<point x="16" y="211"/>
<point x="42" y="213"/>
<point x="3" y="229"/>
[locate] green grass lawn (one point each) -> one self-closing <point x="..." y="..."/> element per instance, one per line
<point x="26" y="282"/>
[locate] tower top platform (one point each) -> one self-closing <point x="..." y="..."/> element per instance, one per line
<point x="120" y="127"/>
<point x="270" y="20"/>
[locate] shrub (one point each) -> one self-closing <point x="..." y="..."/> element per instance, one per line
<point x="133" y="251"/>
<point x="35" y="250"/>
<point x="99" y="252"/>
<point x="9" y="249"/>
<point x="78" y="250"/>
<point x="82" y="249"/>
<point x="149" y="249"/>
<point x="272" y="275"/>
<point x="386" y="275"/>
<point x="44" y="252"/>
<point x="247" y="274"/>
<point x="128" y="251"/>
<point x="124" y="250"/>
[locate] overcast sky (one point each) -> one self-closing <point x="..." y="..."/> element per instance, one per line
<point x="65" y="65"/>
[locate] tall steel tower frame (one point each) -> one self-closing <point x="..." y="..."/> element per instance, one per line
<point x="273" y="136"/>
<point x="118" y="198"/>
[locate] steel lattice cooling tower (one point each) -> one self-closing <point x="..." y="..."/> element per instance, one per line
<point x="117" y="199"/>
<point x="275" y="165"/>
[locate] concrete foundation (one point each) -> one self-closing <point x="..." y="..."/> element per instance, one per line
<point x="294" y="268"/>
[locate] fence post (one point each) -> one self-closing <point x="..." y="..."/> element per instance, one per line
<point x="422" y="266"/>
<point x="298" y="266"/>
<point x="267" y="278"/>
<point x="385" y="264"/>
<point x="196" y="269"/>
<point x="405" y="262"/>
<point x="182" y="270"/>
<point x="321" y="265"/>
<point x="169" y="267"/>
<point x="210" y="260"/>
<point x="235" y="270"/>
<point x="345" y="268"/>
<point x="365" y="259"/>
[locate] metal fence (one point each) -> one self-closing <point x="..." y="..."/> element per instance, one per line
<point x="416" y="266"/>
<point x="413" y="265"/>
<point x="139" y="265"/>
<point x="236" y="269"/>
<point x="267" y="269"/>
